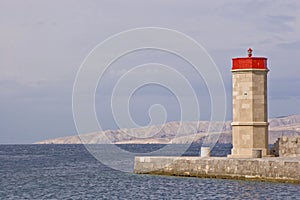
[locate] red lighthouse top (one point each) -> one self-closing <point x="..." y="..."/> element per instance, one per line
<point x="249" y="62"/>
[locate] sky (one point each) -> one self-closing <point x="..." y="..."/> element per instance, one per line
<point x="43" y="44"/>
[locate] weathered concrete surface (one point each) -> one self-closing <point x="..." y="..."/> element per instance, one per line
<point x="250" y="115"/>
<point x="274" y="169"/>
<point x="287" y="146"/>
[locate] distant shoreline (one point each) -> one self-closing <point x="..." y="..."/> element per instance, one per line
<point x="166" y="134"/>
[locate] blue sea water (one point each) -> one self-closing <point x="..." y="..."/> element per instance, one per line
<point x="70" y="172"/>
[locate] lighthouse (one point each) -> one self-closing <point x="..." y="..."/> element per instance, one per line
<point x="250" y="107"/>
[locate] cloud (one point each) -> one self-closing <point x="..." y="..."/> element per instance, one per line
<point x="281" y="88"/>
<point x="291" y="46"/>
<point x="42" y="44"/>
<point x="278" y="23"/>
<point x="39" y="91"/>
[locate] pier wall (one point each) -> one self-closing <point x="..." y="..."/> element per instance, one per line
<point x="289" y="146"/>
<point x="263" y="169"/>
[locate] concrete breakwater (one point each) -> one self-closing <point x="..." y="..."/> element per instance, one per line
<point x="274" y="169"/>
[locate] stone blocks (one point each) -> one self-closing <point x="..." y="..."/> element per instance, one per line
<point x="250" y="125"/>
<point x="263" y="169"/>
<point x="287" y="146"/>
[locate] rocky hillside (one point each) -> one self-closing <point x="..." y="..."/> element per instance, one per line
<point x="174" y="132"/>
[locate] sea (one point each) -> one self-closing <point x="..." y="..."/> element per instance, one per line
<point x="71" y="172"/>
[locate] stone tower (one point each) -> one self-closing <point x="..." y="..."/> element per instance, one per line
<point x="250" y="109"/>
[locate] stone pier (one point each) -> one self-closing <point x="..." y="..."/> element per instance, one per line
<point x="274" y="169"/>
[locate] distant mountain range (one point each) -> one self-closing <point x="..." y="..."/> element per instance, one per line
<point x="172" y="132"/>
